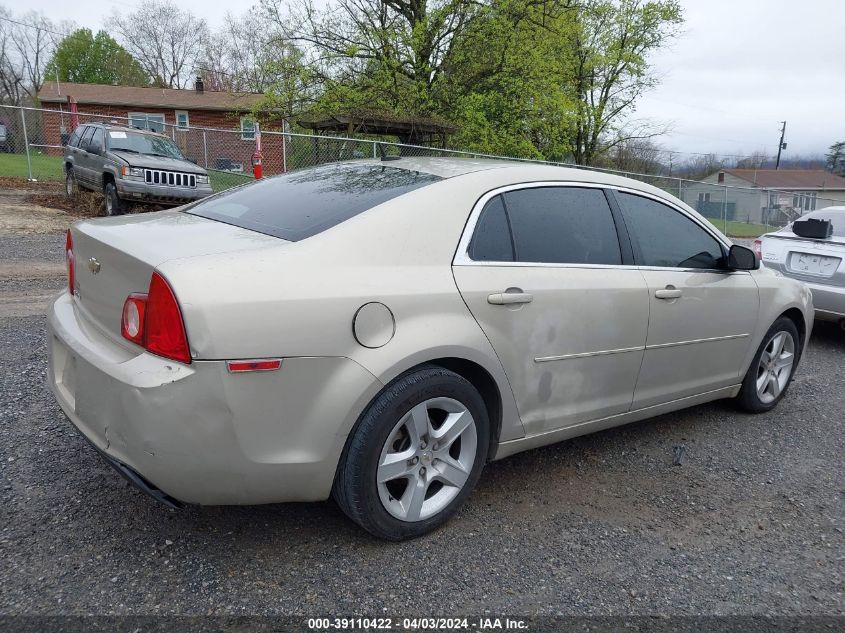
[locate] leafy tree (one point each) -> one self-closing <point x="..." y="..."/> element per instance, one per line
<point x="835" y="158"/>
<point x="82" y="57"/>
<point x="611" y="47"/>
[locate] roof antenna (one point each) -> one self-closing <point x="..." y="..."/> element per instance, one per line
<point x="384" y="155"/>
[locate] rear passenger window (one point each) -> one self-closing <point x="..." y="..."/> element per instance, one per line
<point x="662" y="236"/>
<point x="74" y="138"/>
<point x="562" y="225"/>
<point x="86" y="138"/>
<point x="491" y="241"/>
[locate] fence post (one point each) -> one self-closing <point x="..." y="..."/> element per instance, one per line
<point x="680" y="189"/>
<point x="205" y="148"/>
<point x="26" y="144"/>
<point x="375" y="150"/>
<point x="725" y="207"/>
<point x="284" y="150"/>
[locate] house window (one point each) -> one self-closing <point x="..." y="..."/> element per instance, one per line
<point x="247" y="129"/>
<point x="804" y="201"/>
<point x="182" y="120"/>
<point x="704" y="197"/>
<point x="145" y="121"/>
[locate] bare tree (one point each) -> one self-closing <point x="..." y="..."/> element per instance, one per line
<point x="26" y="43"/>
<point x="244" y="55"/>
<point x="167" y="40"/>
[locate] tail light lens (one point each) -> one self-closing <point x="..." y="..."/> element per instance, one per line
<point x="71" y="263"/>
<point x="154" y="321"/>
<point x="132" y="324"/>
<point x="758" y="248"/>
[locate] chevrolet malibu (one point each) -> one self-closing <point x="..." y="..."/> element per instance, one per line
<point x="377" y="331"/>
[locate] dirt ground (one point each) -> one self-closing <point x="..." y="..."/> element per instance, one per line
<point x="19" y="213"/>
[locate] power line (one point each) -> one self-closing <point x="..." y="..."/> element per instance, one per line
<point x="32" y="26"/>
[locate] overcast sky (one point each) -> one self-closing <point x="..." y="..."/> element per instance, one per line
<point x="739" y="68"/>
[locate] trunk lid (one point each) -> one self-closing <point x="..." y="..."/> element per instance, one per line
<point x="116" y="256"/>
<point x="809" y="260"/>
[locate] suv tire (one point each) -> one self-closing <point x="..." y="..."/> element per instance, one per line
<point x="71" y="187"/>
<point x="415" y="454"/>
<point x="113" y="204"/>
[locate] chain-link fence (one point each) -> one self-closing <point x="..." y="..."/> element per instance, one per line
<point x="32" y="144"/>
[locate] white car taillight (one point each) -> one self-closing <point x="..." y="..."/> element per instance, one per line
<point x="154" y="321"/>
<point x="758" y="248"/>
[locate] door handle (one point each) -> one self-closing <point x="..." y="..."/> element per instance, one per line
<point x="509" y="298"/>
<point x="669" y="292"/>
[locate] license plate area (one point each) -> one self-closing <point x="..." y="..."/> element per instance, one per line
<point x="813" y="264"/>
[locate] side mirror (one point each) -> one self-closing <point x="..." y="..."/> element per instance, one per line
<point x="741" y="258"/>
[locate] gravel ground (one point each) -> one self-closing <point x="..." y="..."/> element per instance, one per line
<point x="750" y="523"/>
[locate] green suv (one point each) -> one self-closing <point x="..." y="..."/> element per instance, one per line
<point x="128" y="164"/>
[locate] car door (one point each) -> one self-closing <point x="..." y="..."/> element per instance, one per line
<point x="701" y="314"/>
<point x="82" y="164"/>
<point x="542" y="270"/>
<point x="96" y="158"/>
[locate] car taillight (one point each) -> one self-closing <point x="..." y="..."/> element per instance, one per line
<point x="154" y="321"/>
<point x="132" y="324"/>
<point x="71" y="263"/>
<point x="758" y="248"/>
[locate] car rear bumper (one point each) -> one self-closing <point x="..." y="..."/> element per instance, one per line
<point x="197" y="433"/>
<point x="829" y="301"/>
<point x="160" y="194"/>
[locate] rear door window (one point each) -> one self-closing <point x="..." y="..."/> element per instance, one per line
<point x="562" y="225"/>
<point x="299" y="204"/>
<point x="86" y="138"/>
<point x="73" y="141"/>
<point x="491" y="241"/>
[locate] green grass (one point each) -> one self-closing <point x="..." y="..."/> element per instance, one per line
<point x="43" y="167"/>
<point x="739" y="229"/>
<point x="49" y="168"/>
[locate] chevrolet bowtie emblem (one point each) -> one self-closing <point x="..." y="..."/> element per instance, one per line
<point x="93" y="265"/>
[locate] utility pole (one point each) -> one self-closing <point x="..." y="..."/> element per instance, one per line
<point x="781" y="144"/>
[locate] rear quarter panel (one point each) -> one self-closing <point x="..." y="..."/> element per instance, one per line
<point x="301" y="299"/>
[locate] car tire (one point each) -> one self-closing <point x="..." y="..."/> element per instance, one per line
<point x="772" y="369"/>
<point x="71" y="187"/>
<point x="113" y="204"/>
<point x="441" y="470"/>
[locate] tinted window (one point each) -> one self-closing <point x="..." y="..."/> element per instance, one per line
<point x="662" y="236"/>
<point x="837" y="218"/>
<point x="86" y="137"/>
<point x="562" y="225"/>
<point x="491" y="241"/>
<point x="300" y="204"/>
<point x="74" y="138"/>
<point x="97" y="138"/>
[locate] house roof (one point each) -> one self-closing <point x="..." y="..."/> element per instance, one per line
<point x="803" y="179"/>
<point x="148" y="97"/>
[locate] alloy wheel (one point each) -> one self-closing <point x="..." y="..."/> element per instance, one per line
<point x="427" y="459"/>
<point x="775" y="367"/>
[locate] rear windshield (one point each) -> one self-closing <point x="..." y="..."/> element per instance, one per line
<point x="300" y="204"/>
<point x="837" y="218"/>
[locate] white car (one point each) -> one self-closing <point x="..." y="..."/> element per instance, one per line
<point x="819" y="262"/>
<point x="378" y="331"/>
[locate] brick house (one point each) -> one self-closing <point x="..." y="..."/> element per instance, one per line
<point x="215" y="129"/>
